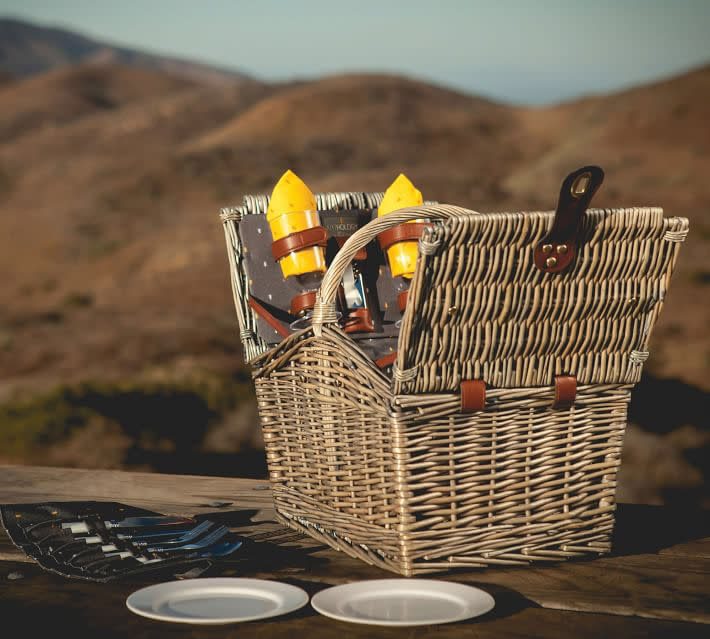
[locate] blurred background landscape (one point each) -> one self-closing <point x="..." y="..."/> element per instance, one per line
<point x="118" y="340"/>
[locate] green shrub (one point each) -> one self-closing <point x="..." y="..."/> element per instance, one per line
<point x="153" y="414"/>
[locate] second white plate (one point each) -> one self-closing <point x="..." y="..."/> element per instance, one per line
<point x="216" y="600"/>
<point x="402" y="602"/>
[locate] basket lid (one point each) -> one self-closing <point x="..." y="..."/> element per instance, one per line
<point x="479" y="307"/>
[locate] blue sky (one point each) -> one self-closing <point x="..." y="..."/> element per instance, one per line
<point x="530" y="52"/>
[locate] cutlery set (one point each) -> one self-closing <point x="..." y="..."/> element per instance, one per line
<point x="101" y="541"/>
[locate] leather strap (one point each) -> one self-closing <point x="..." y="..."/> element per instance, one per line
<point x="402" y="300"/>
<point x="386" y="361"/>
<point x="558" y="249"/>
<point x="565" y="391"/>
<point x="359" y="321"/>
<point x="302" y="302"/>
<point x="407" y="232"/>
<point x="316" y="236"/>
<point x="359" y="256"/>
<point x="268" y="318"/>
<point x="473" y="395"/>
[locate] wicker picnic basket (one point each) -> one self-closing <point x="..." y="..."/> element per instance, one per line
<point x="497" y="435"/>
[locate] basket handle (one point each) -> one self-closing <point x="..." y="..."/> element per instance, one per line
<point x="324" y="309"/>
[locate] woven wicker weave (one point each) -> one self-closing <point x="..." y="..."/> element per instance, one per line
<point x="387" y="468"/>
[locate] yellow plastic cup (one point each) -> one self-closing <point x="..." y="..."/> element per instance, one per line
<point x="401" y="194"/>
<point x="292" y="208"/>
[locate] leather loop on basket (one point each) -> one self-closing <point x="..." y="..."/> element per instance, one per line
<point x="408" y="232"/>
<point x="565" y="391"/>
<point x="473" y="395"/>
<point x="316" y="236"/>
<point x="303" y="302"/>
<point x="559" y="248"/>
<point x="359" y="320"/>
<point x="402" y="300"/>
<point x="386" y="361"/>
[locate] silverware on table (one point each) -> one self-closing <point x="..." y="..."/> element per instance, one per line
<point x="183" y="535"/>
<point x="205" y="541"/>
<point x="216" y="551"/>
<point x="129" y="522"/>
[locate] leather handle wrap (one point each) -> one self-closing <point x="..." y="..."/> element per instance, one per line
<point x="324" y="312"/>
<point x="316" y="236"/>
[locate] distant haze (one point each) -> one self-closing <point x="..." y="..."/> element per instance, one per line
<point x="520" y="52"/>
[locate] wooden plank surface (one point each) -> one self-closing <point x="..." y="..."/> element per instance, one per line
<point x="660" y="569"/>
<point x="42" y="604"/>
<point x="178" y="494"/>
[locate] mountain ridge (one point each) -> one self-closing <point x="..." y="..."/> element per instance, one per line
<point x="27" y="49"/>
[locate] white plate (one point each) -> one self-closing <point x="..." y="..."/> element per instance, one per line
<point x="216" y="600"/>
<point x="402" y="602"/>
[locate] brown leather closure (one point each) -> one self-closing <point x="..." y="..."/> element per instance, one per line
<point x="359" y="321"/>
<point x="268" y="318"/>
<point x="565" y="391"/>
<point x="559" y="248"/>
<point x="402" y="300"/>
<point x="303" y="302"/>
<point x="316" y="236"/>
<point x="386" y="361"/>
<point x="407" y="232"/>
<point x="359" y="256"/>
<point x="473" y="395"/>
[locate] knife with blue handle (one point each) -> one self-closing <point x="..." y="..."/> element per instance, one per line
<point x="185" y="535"/>
<point x="130" y="522"/>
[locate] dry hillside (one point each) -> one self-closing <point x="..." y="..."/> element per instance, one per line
<point x="113" y="261"/>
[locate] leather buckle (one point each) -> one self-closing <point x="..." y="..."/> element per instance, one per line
<point x="559" y="248"/>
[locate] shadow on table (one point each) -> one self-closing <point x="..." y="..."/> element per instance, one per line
<point x="507" y="602"/>
<point x="265" y="555"/>
<point x="647" y="529"/>
<point x="249" y="463"/>
<point x="263" y="551"/>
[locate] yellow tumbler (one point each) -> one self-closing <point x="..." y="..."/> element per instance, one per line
<point x="292" y="208"/>
<point x="401" y="194"/>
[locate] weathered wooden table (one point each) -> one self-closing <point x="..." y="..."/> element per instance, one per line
<point x="657" y="582"/>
